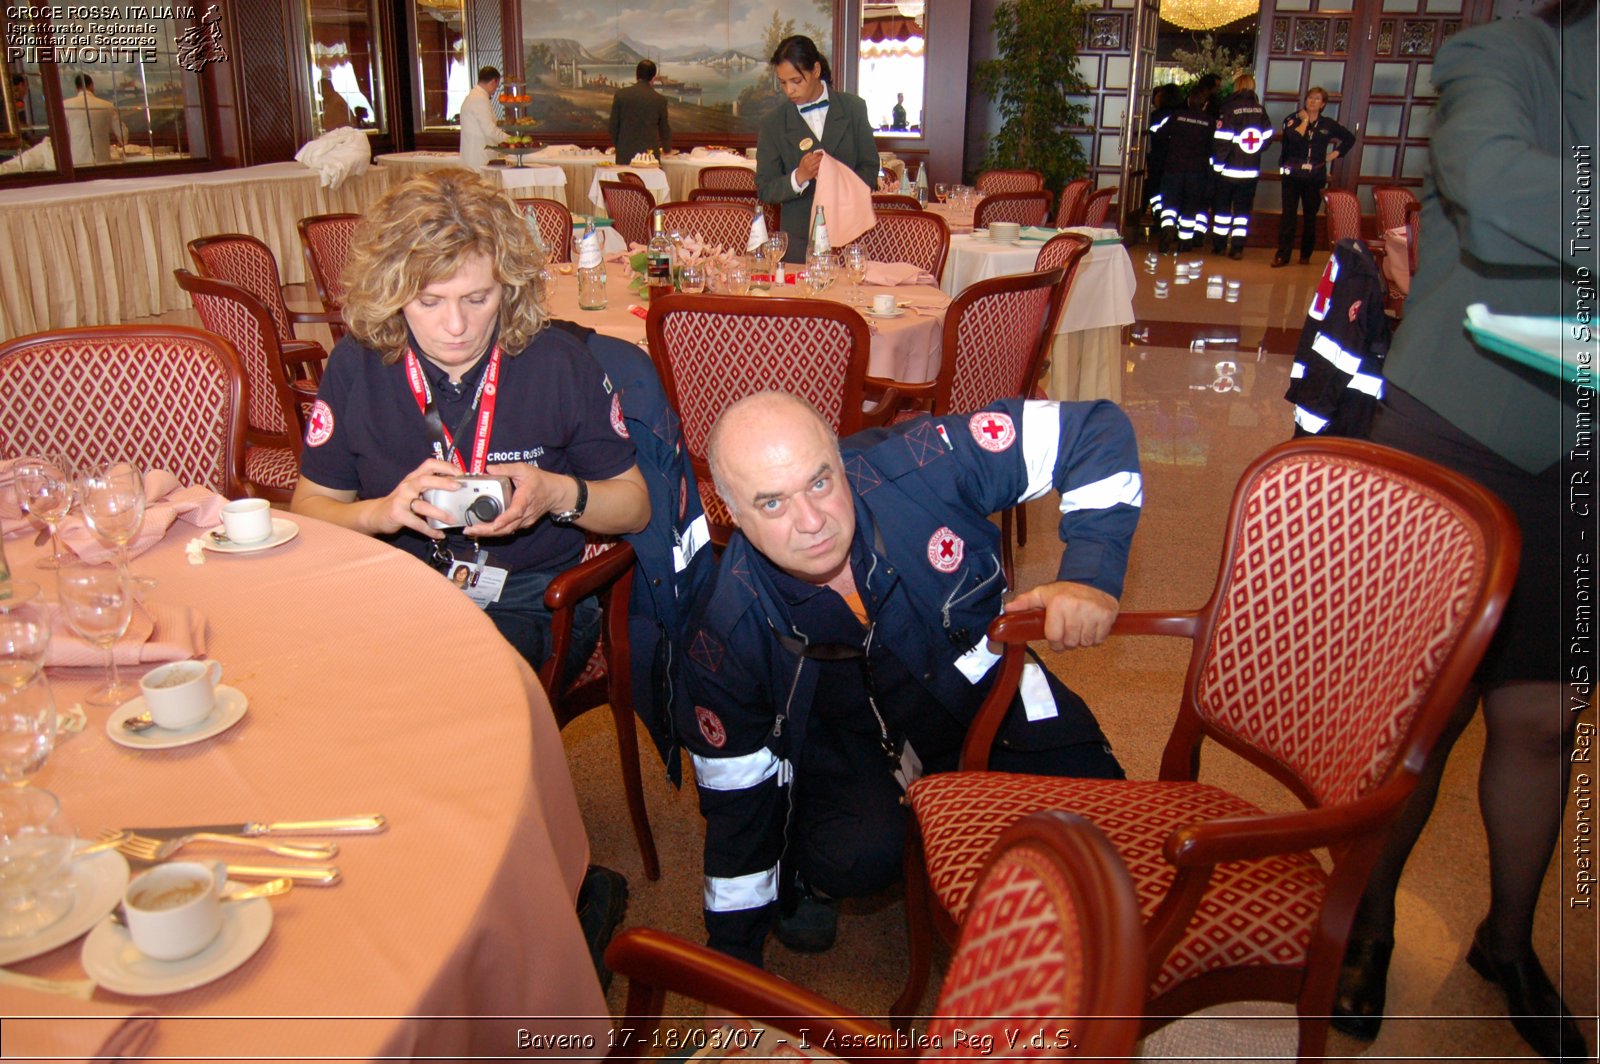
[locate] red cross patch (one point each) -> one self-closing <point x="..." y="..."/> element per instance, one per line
<point x="617" y="422"/>
<point x="711" y="727"/>
<point x="319" y="424"/>
<point x="945" y="551"/>
<point x="994" y="432"/>
<point x="1251" y="141"/>
<point x="1322" y="298"/>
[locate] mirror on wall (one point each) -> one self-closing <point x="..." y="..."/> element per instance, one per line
<point x="443" y="78"/>
<point x="346" y="64"/>
<point x="891" y="70"/>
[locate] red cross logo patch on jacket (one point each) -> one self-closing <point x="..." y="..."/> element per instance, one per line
<point x="945" y="551"/>
<point x="994" y="432"/>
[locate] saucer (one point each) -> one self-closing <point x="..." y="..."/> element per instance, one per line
<point x="111" y="959"/>
<point x="229" y="710"/>
<point x="897" y="312"/>
<point x="283" y="530"/>
<point x="96" y="883"/>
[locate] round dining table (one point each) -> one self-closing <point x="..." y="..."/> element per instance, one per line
<point x="373" y="686"/>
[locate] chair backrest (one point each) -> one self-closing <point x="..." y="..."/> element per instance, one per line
<point x="921" y="238"/>
<point x="1024" y="208"/>
<point x="325" y="239"/>
<point x="739" y="178"/>
<point x="1389" y="203"/>
<point x="1357" y="584"/>
<point x="1344" y="215"/>
<point x="555" y="226"/>
<point x="772" y="211"/>
<point x="629" y="210"/>
<point x="995" y="341"/>
<point x="893" y="201"/>
<point x="238" y="317"/>
<point x="1097" y="208"/>
<point x="241" y="259"/>
<point x="1053" y="938"/>
<point x="165" y="396"/>
<point x="1064" y="252"/>
<point x="1069" y="211"/>
<point x="724" y="225"/>
<point x="1413" y="225"/>
<point x="991" y="181"/>
<point x="628" y="177"/>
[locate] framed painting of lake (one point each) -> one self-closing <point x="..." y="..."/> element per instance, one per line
<point x="711" y="57"/>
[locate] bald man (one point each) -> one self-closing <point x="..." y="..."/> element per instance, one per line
<point x="840" y="650"/>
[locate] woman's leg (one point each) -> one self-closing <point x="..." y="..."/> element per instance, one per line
<point x="1311" y="196"/>
<point x="1290" y="194"/>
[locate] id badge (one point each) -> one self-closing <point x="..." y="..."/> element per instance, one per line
<point x="482" y="583"/>
<point x="910" y="769"/>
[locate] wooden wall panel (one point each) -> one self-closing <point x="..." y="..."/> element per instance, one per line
<point x="269" y="72"/>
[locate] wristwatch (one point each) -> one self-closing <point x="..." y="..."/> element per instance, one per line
<point x="568" y="517"/>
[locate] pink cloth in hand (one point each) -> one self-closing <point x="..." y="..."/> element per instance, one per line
<point x="157" y="632"/>
<point x="846" y="201"/>
<point x="890" y="274"/>
<point x="64" y="1028"/>
<point x="167" y="503"/>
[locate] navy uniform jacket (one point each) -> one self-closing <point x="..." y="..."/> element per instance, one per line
<point x="1337" y="376"/>
<point x="926" y="559"/>
<point x="1243" y="130"/>
<point x="846" y="135"/>
<point x="1305" y="155"/>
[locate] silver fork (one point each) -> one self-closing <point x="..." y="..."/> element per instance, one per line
<point x="148" y="849"/>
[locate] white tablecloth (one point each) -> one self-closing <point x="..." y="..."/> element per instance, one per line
<point x="683" y="171"/>
<point x="523" y="181"/>
<point x="654" y="180"/>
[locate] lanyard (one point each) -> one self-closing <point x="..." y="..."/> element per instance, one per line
<point x="486" y="394"/>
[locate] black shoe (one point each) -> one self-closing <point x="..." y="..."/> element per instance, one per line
<point x="1279" y="260"/>
<point x="602" y="901"/>
<point x="1236" y="253"/>
<point x="811" y="928"/>
<point x="1537" y="1011"/>
<point x="1305" y="260"/>
<point x="1363" y="978"/>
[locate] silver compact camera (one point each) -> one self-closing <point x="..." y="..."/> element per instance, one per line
<point x="478" y="501"/>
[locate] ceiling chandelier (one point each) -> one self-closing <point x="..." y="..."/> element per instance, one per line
<point x="1206" y="14"/>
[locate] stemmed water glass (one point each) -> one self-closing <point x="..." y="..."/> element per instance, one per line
<point x="113" y="507"/>
<point x="36" y="843"/>
<point x="98" y="603"/>
<point x="853" y="257"/>
<point x="819" y="273"/>
<point x="28" y="727"/>
<point x="24" y="639"/>
<point x="776" y="247"/>
<point x="941" y="191"/>
<point x="44" y="489"/>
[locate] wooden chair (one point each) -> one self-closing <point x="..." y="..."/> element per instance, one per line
<point x="1097" y="208"/>
<point x="241" y="259"/>
<point x="921" y="238"/>
<point x="275" y="406"/>
<point x="1331" y="543"/>
<point x="325" y="240"/>
<point x="772" y="211"/>
<point x="737" y="178"/>
<point x="629" y="209"/>
<point x="724" y="225"/>
<point x="1390" y="203"/>
<point x="1054" y="941"/>
<point x="1344" y="223"/>
<point x="163" y="396"/>
<point x="712" y="351"/>
<point x="991" y="181"/>
<point x="554" y="221"/>
<point x="628" y="177"/>
<point x="893" y="201"/>
<point x="1069" y="211"/>
<point x="1024" y="208"/>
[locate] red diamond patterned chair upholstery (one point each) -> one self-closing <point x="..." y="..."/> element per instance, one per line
<point x="1390" y="203"/>
<point x="991" y="181"/>
<point x="1097" y="208"/>
<point x="1069" y="211"/>
<point x="555" y="226"/>
<point x="245" y="261"/>
<point x="921" y="238"/>
<point x="606" y="570"/>
<point x="1024" y="208"/>
<point x="325" y="240"/>
<point x="893" y="201"/>
<point x="1054" y="941"/>
<point x="724" y="225"/>
<point x="773" y="211"/>
<point x="737" y="178"/>
<point x="116" y="392"/>
<point x="712" y="351"/>
<point x="1344" y="223"/>
<point x="629" y="209"/>
<point x="1338" y="552"/>
<point x="273" y="405"/>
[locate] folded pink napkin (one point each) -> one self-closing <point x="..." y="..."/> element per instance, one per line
<point x="895" y="273"/>
<point x="846" y="201"/>
<point x="158" y="632"/>
<point x="167" y="502"/>
<point x="63" y="1028"/>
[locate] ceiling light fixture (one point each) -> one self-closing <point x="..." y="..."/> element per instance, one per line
<point x="1206" y="14"/>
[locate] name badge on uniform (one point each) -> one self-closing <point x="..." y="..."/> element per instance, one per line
<point x="483" y="583"/>
<point x="805" y="145"/>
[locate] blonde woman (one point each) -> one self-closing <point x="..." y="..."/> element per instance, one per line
<point x="450" y="370"/>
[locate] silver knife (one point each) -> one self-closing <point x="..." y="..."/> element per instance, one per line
<point x="303" y="875"/>
<point x="370" y="824"/>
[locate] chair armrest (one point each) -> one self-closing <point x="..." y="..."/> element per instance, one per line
<point x="885" y="405"/>
<point x="1252" y="837"/>
<point x="589" y="577"/>
<point x="317" y="317"/>
<point x="302" y="351"/>
<point x="916" y="389"/>
<point x="1182" y="624"/>
<point x="655" y="960"/>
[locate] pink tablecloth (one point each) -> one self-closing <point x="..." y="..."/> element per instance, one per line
<point x="374" y="686"/>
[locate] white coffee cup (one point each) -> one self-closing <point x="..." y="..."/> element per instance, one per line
<point x="247" y="520"/>
<point x="182" y="693"/>
<point x="1004" y="232"/>
<point x="175" y="910"/>
<point x="883" y="303"/>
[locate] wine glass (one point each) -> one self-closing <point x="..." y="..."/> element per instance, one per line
<point x="692" y="279"/>
<point x="738" y="277"/>
<point x="819" y="268"/>
<point x="941" y="191"/>
<point x="28" y="727"/>
<point x="36" y="843"/>
<point x="777" y="246"/>
<point x="44" y="489"/>
<point x="24" y="638"/>
<point x="113" y="505"/>
<point x="853" y="257"/>
<point x="98" y="604"/>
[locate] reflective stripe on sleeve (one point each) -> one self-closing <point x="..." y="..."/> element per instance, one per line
<point x="1309" y="421"/>
<point x="1041" y="443"/>
<point x="1366" y="382"/>
<point x="1233" y="171"/>
<point x="1342" y="360"/>
<point x="1105" y="493"/>
<point x="741" y="892"/>
<point x="1297" y="371"/>
<point x="735" y="773"/>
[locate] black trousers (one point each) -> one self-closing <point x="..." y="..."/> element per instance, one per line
<point x="1299" y="195"/>
<point x="1230" y="211"/>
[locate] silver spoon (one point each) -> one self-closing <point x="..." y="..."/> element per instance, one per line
<point x="143" y="722"/>
<point x="271" y="888"/>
